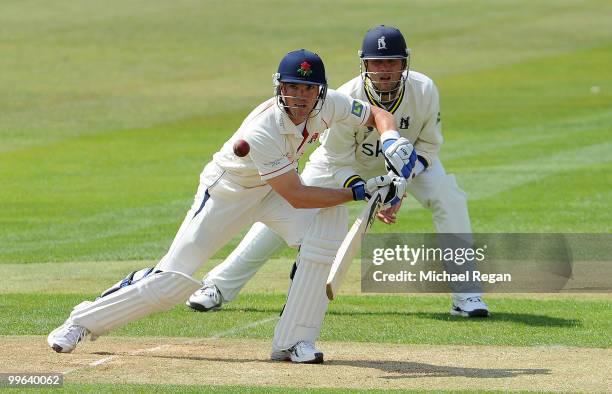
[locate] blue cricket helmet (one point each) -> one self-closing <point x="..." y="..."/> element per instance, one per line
<point x="302" y="66"/>
<point x="384" y="42"/>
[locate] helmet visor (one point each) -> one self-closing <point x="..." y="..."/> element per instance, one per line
<point x="384" y="77"/>
<point x="301" y="99"/>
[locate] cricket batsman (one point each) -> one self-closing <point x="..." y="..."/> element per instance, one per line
<point x="263" y="186"/>
<point x="347" y="155"/>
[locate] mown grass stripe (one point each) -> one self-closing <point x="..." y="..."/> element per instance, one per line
<point x="377" y="318"/>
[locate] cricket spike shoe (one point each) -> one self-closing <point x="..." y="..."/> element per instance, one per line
<point x="206" y="299"/>
<point x="65" y="338"/>
<point x="302" y="353"/>
<point x="280" y="355"/>
<point x="469" y="307"/>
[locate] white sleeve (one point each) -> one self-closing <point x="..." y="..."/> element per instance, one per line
<point x="267" y="156"/>
<point x="430" y="138"/>
<point x="346" y="110"/>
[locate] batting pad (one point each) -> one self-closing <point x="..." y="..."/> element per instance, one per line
<point x="307" y="301"/>
<point x="243" y="263"/>
<point x="155" y="293"/>
<point x="450" y="215"/>
<point x="449" y="208"/>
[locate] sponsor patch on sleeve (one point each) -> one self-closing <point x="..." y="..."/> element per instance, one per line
<point x="357" y="108"/>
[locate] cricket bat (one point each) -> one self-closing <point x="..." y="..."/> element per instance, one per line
<point x="352" y="243"/>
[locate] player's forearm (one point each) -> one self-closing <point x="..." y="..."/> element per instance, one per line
<point x="319" y="197"/>
<point x="382" y="120"/>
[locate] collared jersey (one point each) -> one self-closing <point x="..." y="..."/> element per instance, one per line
<point x="275" y="142"/>
<point x="416" y="111"/>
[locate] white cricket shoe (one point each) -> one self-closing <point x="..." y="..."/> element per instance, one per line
<point x="280" y="355"/>
<point x="206" y="299"/>
<point x="469" y="307"/>
<point x="65" y="338"/>
<point x="302" y="353"/>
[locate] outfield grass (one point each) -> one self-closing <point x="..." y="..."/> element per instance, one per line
<point x="107" y="121"/>
<point x="416" y="320"/>
<point x="36" y="306"/>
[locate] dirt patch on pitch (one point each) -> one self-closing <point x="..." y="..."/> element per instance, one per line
<point x="348" y="365"/>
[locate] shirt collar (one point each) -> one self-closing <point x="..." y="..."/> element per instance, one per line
<point x="286" y="126"/>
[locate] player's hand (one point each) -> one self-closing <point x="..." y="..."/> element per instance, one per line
<point x="397" y="189"/>
<point x="389" y="215"/>
<point x="363" y="190"/>
<point x="400" y="156"/>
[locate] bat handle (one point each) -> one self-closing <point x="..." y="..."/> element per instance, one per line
<point x="329" y="292"/>
<point x="383" y="194"/>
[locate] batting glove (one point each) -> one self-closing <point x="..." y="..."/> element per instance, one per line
<point x="397" y="190"/>
<point x="363" y="190"/>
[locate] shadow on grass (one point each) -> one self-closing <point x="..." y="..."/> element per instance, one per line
<point x="496" y="317"/>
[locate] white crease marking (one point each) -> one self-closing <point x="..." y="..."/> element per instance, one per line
<point x="218" y="335"/>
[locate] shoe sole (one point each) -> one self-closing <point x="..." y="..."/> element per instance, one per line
<point x="286" y="356"/>
<point x="474" y="313"/>
<point x="56" y="347"/>
<point x="317" y="360"/>
<point x="280" y="355"/>
<point x="201" y="308"/>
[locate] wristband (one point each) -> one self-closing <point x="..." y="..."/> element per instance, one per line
<point x="418" y="168"/>
<point x="389" y="137"/>
<point x="359" y="191"/>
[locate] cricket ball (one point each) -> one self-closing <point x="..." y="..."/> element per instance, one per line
<point x="241" y="148"/>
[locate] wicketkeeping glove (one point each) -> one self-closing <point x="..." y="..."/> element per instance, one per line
<point x="399" y="156"/>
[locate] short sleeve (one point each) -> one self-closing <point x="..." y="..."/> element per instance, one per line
<point x="267" y="156"/>
<point x="347" y="110"/>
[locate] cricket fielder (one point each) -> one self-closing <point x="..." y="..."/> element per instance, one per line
<point x="348" y="154"/>
<point x="236" y="192"/>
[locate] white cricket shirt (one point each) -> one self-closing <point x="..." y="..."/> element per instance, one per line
<point x="417" y="113"/>
<point x="276" y="143"/>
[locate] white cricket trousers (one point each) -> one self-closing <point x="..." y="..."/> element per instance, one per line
<point x="218" y="214"/>
<point x="434" y="189"/>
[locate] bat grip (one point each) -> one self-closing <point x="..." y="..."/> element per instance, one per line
<point x="383" y="193"/>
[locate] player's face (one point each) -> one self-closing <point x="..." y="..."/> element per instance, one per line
<point x="385" y="73"/>
<point x="299" y="99"/>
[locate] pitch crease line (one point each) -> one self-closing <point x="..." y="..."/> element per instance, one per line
<point x="219" y="335"/>
<point x="245" y="327"/>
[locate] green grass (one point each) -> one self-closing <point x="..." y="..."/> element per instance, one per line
<point x="385" y="319"/>
<point x="108" y="117"/>
<point x="39" y="296"/>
